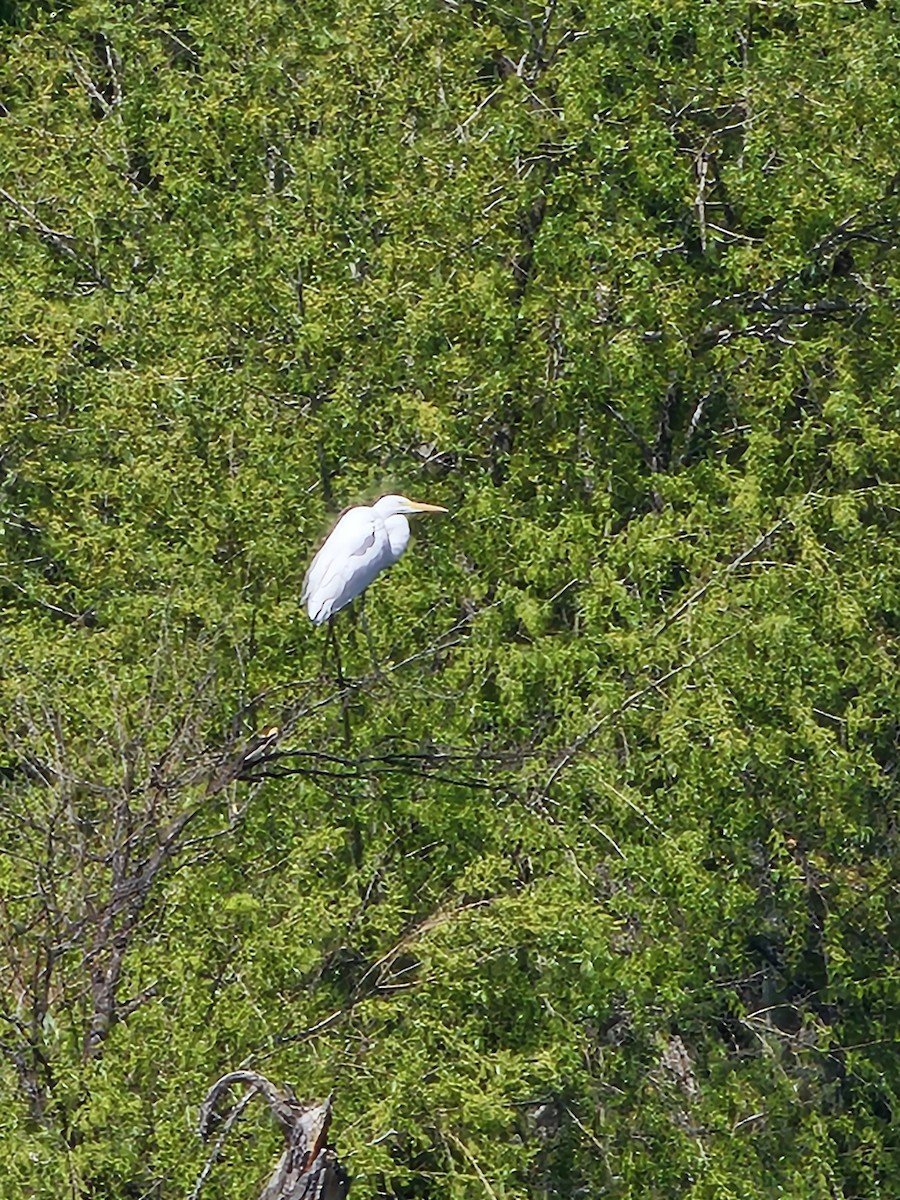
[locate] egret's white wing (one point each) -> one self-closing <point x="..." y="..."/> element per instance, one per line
<point x="353" y="554"/>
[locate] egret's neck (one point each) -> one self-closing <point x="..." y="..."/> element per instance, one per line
<point x="397" y="528"/>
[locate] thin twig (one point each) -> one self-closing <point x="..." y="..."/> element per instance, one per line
<point x="578" y="744"/>
<point x="468" y="1154"/>
<point x="230" y="1122"/>
<point x="729" y="569"/>
<point x="59" y="241"/>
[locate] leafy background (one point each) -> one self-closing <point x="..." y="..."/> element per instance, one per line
<point x="588" y="890"/>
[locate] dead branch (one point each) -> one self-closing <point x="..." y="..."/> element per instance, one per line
<point x="61" y="242"/>
<point x="227" y="1126"/>
<point x="308" y="1168"/>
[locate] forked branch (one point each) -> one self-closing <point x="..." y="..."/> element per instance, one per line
<point x="309" y="1168"/>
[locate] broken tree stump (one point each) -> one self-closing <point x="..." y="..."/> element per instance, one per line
<point x="309" y="1168"/>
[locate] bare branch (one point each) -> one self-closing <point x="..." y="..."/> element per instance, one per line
<point x="738" y="561"/>
<point x="568" y="755"/>
<point x="278" y="1102"/>
<point x="229" y="1124"/>
<point x="308" y="1169"/>
<point x="62" y="242"/>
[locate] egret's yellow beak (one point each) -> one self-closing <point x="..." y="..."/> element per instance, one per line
<point x="424" y="508"/>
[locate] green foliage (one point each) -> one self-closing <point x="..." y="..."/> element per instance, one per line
<point x="598" y="899"/>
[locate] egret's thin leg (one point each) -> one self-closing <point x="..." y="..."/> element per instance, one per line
<point x="332" y="638"/>
<point x="328" y="649"/>
<point x="365" y="624"/>
<point x="342" y="684"/>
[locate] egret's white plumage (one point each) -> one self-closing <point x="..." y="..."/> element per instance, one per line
<point x="365" y="541"/>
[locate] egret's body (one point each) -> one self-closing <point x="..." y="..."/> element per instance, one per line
<point x="364" y="542"/>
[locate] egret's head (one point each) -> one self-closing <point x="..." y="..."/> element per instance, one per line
<point x="393" y="506"/>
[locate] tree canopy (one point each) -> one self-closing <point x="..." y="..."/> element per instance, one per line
<point x="587" y="888"/>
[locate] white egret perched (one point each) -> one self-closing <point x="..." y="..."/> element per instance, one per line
<point x="365" y="541"/>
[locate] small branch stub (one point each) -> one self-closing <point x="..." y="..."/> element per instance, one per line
<point x="309" y="1168"/>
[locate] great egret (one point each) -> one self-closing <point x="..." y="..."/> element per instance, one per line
<point x="365" y="540"/>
